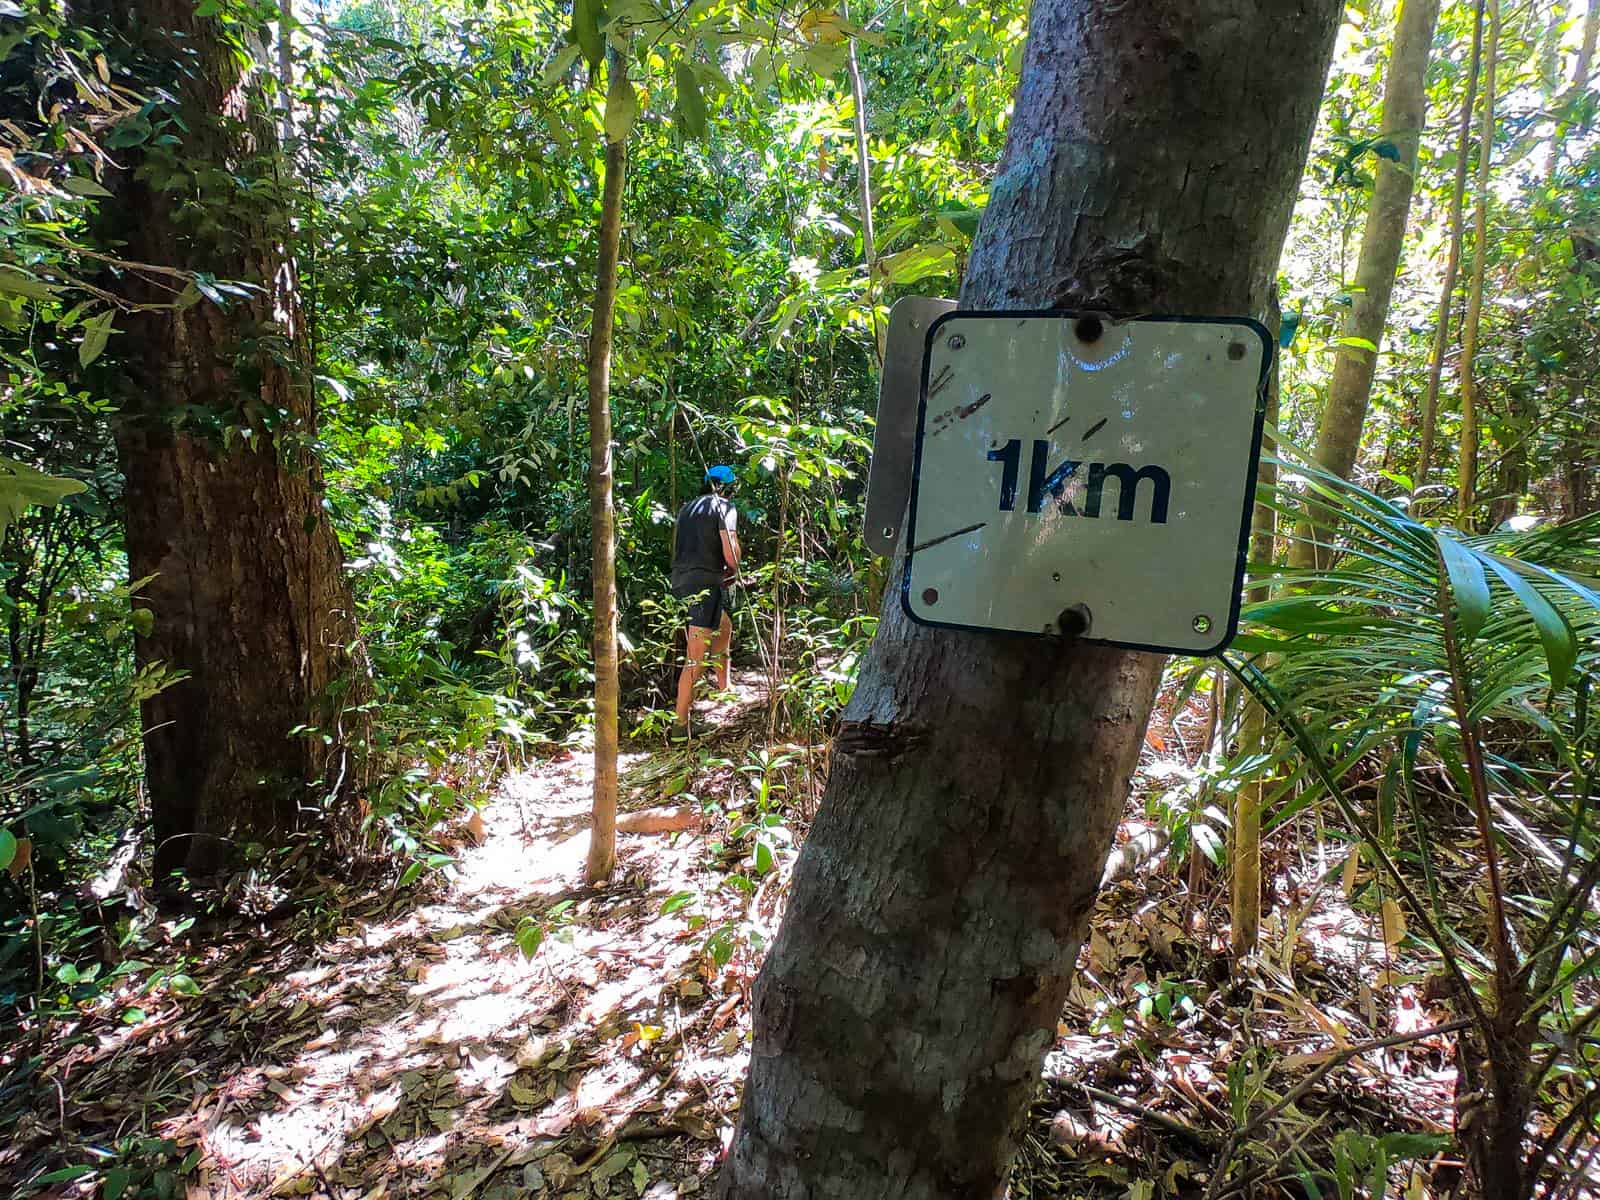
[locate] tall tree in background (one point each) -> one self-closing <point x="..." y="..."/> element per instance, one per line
<point x="1458" y="194"/>
<point x="1575" y="90"/>
<point x="621" y="108"/>
<point x="942" y="893"/>
<point x="247" y="595"/>
<point x="869" y="251"/>
<point x="1467" y="470"/>
<point x="1404" y="112"/>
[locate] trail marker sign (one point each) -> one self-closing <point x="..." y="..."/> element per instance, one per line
<point x="1075" y="474"/>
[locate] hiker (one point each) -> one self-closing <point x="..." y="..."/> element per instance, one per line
<point x="705" y="565"/>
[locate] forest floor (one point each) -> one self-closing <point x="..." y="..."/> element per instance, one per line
<point x="377" y="1045"/>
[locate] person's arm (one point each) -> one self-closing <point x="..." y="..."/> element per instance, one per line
<point x="730" y="543"/>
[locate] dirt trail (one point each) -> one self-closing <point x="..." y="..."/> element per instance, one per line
<point x="420" y="1052"/>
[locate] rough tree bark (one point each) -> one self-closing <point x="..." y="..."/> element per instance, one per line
<point x="1467" y="464"/>
<point x="1452" y="267"/>
<point x="940" y="899"/>
<point x="223" y="491"/>
<point x="603" y="835"/>
<point x="1405" y="101"/>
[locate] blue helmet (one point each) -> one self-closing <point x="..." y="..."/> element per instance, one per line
<point x="720" y="475"/>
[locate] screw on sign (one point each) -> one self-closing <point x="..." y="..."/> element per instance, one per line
<point x="1075" y="463"/>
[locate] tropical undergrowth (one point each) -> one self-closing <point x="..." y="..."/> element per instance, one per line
<point x="1430" y="733"/>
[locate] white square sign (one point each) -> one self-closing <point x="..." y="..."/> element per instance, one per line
<point x="1076" y="474"/>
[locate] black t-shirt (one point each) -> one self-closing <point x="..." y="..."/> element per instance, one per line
<point x="697" y="562"/>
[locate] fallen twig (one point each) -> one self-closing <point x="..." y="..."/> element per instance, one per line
<point x="1339" y="1058"/>
<point x="482" y="1174"/>
<point x="1198" y="1138"/>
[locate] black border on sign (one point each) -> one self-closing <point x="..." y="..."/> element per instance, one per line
<point x="1269" y="350"/>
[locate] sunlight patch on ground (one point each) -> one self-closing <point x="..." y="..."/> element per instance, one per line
<point x="407" y="1040"/>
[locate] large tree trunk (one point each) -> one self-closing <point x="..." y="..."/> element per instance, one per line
<point x="603" y="835"/>
<point x="1404" y="110"/>
<point x="941" y="896"/>
<point x="223" y="491"/>
<point x="1458" y="193"/>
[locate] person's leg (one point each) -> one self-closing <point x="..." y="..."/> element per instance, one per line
<point x="693" y="657"/>
<point x="720" y="646"/>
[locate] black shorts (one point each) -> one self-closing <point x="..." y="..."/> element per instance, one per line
<point x="708" y="608"/>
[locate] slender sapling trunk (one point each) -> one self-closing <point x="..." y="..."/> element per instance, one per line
<point x="1458" y="195"/>
<point x="603" y="834"/>
<point x="1467" y="470"/>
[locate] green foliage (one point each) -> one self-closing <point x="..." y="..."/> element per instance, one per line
<point x="1362" y="1160"/>
<point x="135" y="1168"/>
<point x="1434" y="686"/>
<point x="21" y="488"/>
<point x="531" y="932"/>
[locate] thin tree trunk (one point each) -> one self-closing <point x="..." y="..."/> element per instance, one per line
<point x="1404" y="113"/>
<point x="1467" y="469"/>
<point x="1514" y="474"/>
<point x="775" y="665"/>
<point x="1580" y="82"/>
<point x="603" y="836"/>
<point x="285" y="71"/>
<point x="1245" y="880"/>
<point x="1458" y="195"/>
<point x="942" y="894"/>
<point x="570" y="533"/>
<point x="222" y="494"/>
<point x="869" y="251"/>
<point x="1577" y="470"/>
<point x="672" y="453"/>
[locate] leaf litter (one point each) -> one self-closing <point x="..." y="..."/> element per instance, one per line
<point x="406" y="1046"/>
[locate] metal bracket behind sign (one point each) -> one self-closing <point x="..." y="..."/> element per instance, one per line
<point x="894" y="439"/>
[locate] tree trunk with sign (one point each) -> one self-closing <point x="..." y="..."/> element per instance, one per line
<point x="1394" y="160"/>
<point x="245" y="595"/>
<point x="940" y="899"/>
